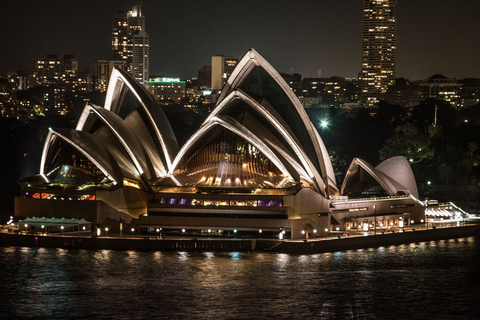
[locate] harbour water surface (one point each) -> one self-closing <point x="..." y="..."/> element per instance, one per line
<point x="428" y="280"/>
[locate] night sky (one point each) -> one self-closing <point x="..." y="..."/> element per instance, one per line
<point x="434" y="36"/>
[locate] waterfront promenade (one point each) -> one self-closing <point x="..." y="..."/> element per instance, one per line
<point x="337" y="242"/>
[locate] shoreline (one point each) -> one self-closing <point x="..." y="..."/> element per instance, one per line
<point x="311" y="246"/>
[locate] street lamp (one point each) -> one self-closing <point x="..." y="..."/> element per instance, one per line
<point x="133" y="230"/>
<point x="426" y="217"/>
<point x="106" y="232"/>
<point x="62" y="229"/>
<point x="375" y="217"/>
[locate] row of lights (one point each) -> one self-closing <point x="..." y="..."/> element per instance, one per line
<point x="314" y="231"/>
<point x="61" y="227"/>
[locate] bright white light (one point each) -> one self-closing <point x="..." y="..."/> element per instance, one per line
<point x="337" y="228"/>
<point x="235" y="231"/>
<point x="314" y="230"/>
<point x="324" y="123"/>
<point x="183" y="230"/>
<point x="365" y="226"/>
<point x="260" y="231"/>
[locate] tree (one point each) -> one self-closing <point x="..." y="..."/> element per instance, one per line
<point x="339" y="163"/>
<point x="407" y="142"/>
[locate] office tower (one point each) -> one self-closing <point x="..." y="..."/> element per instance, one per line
<point x="379" y="29"/>
<point x="130" y="42"/>
<point x="222" y="67"/>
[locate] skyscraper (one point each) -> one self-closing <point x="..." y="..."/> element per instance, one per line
<point x="379" y="29"/>
<point x="222" y="67"/>
<point x="130" y="42"/>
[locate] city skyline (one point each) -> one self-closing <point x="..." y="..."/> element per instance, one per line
<point x="433" y="37"/>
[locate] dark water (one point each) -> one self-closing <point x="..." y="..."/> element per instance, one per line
<point x="430" y="280"/>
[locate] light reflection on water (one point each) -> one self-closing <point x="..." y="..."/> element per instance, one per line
<point x="428" y="280"/>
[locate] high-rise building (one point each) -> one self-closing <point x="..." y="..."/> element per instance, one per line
<point x="204" y="77"/>
<point x="120" y="36"/>
<point x="222" y="67"/>
<point x="103" y="70"/>
<point x="140" y="56"/>
<point x="130" y="42"/>
<point x="379" y="29"/>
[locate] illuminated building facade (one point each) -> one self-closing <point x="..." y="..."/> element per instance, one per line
<point x="379" y="29"/>
<point x="255" y="167"/>
<point x="222" y="68"/>
<point x="130" y="42"/>
<point x="54" y="70"/>
<point x="61" y="75"/>
<point x="440" y="87"/>
<point x="166" y="90"/>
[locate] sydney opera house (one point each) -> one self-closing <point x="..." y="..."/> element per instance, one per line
<point x="256" y="167"/>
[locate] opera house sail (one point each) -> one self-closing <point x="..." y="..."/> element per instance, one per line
<point x="256" y="165"/>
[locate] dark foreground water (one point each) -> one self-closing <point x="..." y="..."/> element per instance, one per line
<point x="429" y="280"/>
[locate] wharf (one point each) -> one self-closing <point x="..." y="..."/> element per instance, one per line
<point x="310" y="246"/>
